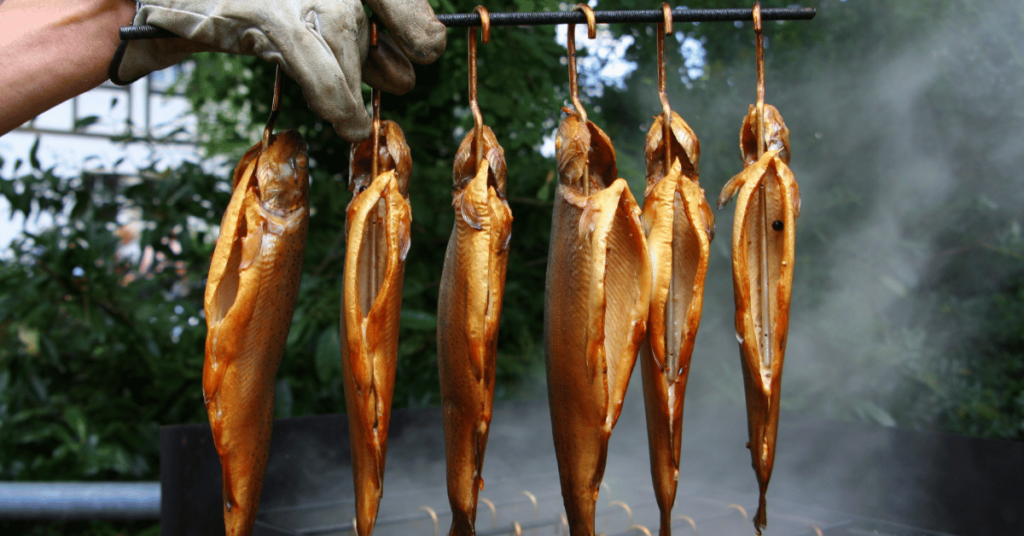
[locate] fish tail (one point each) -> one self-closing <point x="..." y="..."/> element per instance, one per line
<point x="666" y="523"/>
<point x="366" y="515"/>
<point x="462" y="524"/>
<point x="761" y="517"/>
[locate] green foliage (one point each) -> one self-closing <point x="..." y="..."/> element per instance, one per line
<point x="908" y="303"/>
<point x="97" y="354"/>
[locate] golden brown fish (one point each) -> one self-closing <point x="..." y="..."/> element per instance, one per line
<point x="377" y="224"/>
<point x="763" y="241"/>
<point x="679" y="227"/>
<point x="250" y="297"/>
<point x="595" y="312"/>
<point x="468" y="310"/>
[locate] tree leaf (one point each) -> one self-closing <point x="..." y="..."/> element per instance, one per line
<point x="328" y="355"/>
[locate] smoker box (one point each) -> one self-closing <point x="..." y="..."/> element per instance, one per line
<point x="830" y="478"/>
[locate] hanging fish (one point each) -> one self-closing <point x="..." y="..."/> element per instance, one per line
<point x="250" y="297"/>
<point x="763" y="241"/>
<point x="468" y="310"/>
<point x="377" y="224"/>
<point x="595" y="312"/>
<point x="679" y="227"/>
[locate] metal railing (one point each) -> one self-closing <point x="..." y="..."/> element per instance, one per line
<point x="79" y="500"/>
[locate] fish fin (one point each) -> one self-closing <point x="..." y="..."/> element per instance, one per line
<point x="251" y="246"/>
<point x="752" y="173"/>
<point x="404" y="236"/>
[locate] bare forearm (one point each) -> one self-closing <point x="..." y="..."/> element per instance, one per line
<point x="53" y="50"/>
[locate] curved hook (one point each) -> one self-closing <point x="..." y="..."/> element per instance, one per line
<point x="763" y="189"/>
<point x="693" y="524"/>
<point x="591" y="19"/>
<point x="275" y="109"/>
<point x="494" y="511"/>
<point x="375" y="104"/>
<point x="759" y="38"/>
<point x="740" y="509"/>
<point x="433" y="515"/>
<point x="478" y="119"/>
<point x="639" y="528"/>
<point x="574" y="92"/>
<point x="571" y="45"/>
<point x="665" y="28"/>
<point x="624" y="506"/>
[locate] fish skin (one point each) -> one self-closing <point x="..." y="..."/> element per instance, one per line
<point x="249" y="300"/>
<point x="378" y="223"/>
<point x="679" y="226"/>
<point x="595" y="312"/>
<point x="468" y="311"/>
<point x="762" y="381"/>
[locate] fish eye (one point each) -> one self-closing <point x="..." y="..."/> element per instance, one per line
<point x="360" y="189"/>
<point x="777" y="225"/>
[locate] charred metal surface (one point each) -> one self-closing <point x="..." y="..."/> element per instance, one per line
<point x="843" y="478"/>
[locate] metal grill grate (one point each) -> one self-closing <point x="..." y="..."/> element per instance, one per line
<point x="830" y="479"/>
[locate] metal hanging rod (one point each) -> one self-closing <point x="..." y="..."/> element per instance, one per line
<point x="640" y="16"/>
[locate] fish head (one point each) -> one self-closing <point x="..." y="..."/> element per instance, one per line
<point x="684" y="146"/>
<point x="776" y="135"/>
<point x="465" y="168"/>
<point x="584" y="148"/>
<point x="393" y="154"/>
<point x="282" y="174"/>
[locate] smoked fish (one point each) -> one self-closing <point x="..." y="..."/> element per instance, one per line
<point x="250" y="297"/>
<point x="468" y="310"/>
<point x="595" y="311"/>
<point x="763" y="242"/>
<point x="377" y="225"/>
<point x="679" y="226"/>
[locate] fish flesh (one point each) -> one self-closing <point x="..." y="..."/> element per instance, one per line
<point x="679" y="226"/>
<point x="250" y="296"/>
<point x="377" y="225"/>
<point x="595" y="310"/>
<point x="763" y="243"/>
<point x="468" y="311"/>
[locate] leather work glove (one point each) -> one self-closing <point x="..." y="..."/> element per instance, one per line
<point x="321" y="44"/>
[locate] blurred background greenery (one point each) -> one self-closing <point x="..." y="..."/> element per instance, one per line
<point x="909" y="291"/>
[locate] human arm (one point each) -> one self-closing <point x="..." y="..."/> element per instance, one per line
<point x="53" y="50"/>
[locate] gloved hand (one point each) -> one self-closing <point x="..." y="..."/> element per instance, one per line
<point x="322" y="44"/>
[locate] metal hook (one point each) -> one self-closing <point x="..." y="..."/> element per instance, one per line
<point x="693" y="524"/>
<point x="494" y="511"/>
<point x="639" y="528"/>
<point x="629" y="511"/>
<point x="478" y="119"/>
<point x="759" y="39"/>
<point x="536" y="509"/>
<point x="763" y="193"/>
<point x="516" y="528"/>
<point x="574" y="92"/>
<point x="275" y="109"/>
<point x="375" y="104"/>
<point x="665" y="28"/>
<point x="433" y="515"/>
<point x="740" y="509"/>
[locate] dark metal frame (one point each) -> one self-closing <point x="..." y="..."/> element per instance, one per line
<point x="639" y="16"/>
